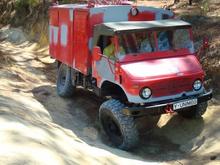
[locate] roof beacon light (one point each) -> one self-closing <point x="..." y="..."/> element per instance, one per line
<point x="134" y="11"/>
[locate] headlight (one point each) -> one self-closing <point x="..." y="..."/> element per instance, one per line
<point x="197" y="85"/>
<point x="145" y="93"/>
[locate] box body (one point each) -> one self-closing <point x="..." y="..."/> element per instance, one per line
<point x="71" y="29"/>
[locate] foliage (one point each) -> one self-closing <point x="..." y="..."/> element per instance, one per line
<point x="23" y="6"/>
<point x="205" y="6"/>
<point x="24" y="3"/>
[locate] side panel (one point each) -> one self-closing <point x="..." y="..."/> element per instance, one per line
<point x="54" y="16"/>
<point x="60" y="34"/>
<point x="54" y="32"/>
<point x="65" y="37"/>
<point x="104" y="70"/>
<point x="80" y="40"/>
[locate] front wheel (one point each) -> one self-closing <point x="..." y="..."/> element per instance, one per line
<point x="195" y="112"/>
<point x="120" y="129"/>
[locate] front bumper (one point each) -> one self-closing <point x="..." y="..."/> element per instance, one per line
<point x="162" y="107"/>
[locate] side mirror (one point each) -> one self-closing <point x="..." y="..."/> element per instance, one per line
<point x="96" y="53"/>
<point x="205" y="43"/>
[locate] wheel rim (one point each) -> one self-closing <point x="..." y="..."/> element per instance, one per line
<point x="112" y="130"/>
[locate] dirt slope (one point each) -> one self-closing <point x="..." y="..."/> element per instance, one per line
<point x="38" y="127"/>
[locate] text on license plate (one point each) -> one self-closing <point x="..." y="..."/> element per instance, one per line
<point x="184" y="104"/>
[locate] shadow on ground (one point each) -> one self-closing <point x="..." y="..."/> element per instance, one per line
<point x="165" y="143"/>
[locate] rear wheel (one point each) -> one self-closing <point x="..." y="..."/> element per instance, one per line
<point x="65" y="88"/>
<point x="195" y="112"/>
<point x="120" y="129"/>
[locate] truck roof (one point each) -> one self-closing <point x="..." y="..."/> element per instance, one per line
<point x="128" y="26"/>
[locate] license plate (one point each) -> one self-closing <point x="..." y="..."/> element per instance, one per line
<point x="184" y="104"/>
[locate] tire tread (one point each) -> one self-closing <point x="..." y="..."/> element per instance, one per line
<point x="127" y="124"/>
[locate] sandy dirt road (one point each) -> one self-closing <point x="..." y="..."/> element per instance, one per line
<point x="38" y="127"/>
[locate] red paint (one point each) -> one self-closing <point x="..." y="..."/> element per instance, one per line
<point x="77" y="55"/>
<point x="65" y="54"/>
<point x="54" y="22"/>
<point x="59" y="17"/>
<point x="154" y="55"/>
<point x="80" y="40"/>
<point x="54" y="17"/>
<point x="79" y="33"/>
<point x="142" y="16"/>
<point x="94" y="20"/>
<point x="169" y="109"/>
<point x="166" y="82"/>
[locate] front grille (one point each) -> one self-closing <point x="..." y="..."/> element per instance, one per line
<point x="172" y="86"/>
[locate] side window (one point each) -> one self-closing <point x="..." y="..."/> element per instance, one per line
<point x="108" y="47"/>
<point x="103" y="42"/>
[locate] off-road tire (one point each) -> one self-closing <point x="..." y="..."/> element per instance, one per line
<point x="65" y="87"/>
<point x="195" y="112"/>
<point x="119" y="128"/>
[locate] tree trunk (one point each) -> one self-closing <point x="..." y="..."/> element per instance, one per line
<point x="190" y="2"/>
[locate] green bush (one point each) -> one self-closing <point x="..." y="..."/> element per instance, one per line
<point x="23" y="5"/>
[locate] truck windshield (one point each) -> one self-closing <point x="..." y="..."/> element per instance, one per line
<point x="174" y="40"/>
<point x="164" y="40"/>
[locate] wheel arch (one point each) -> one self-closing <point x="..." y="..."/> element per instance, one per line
<point x="114" y="90"/>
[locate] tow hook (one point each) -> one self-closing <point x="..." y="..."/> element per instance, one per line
<point x="169" y="108"/>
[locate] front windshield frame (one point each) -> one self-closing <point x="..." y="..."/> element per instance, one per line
<point x="133" y="56"/>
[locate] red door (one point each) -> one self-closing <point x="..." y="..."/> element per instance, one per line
<point x="80" y="41"/>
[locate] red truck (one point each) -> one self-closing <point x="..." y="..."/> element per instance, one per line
<point x="153" y="69"/>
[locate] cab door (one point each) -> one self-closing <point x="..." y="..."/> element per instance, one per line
<point x="103" y="69"/>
